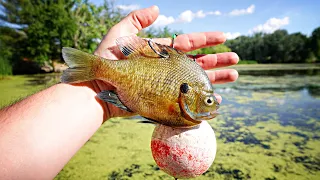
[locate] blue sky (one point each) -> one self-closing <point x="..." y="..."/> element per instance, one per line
<point x="234" y="17"/>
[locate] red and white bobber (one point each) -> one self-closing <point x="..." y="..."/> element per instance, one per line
<point x="184" y="153"/>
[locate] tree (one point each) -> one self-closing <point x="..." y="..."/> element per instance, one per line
<point x="295" y="48"/>
<point x="212" y="50"/>
<point x="152" y="32"/>
<point x="93" y="23"/>
<point x="242" y="45"/>
<point x="11" y="41"/>
<point x="277" y="47"/>
<point x="314" y="43"/>
<point x="48" y="26"/>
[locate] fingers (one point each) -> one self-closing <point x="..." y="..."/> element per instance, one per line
<point x="219" y="98"/>
<point x="190" y="42"/>
<point x="222" y="76"/>
<point x="139" y="19"/>
<point x="209" y="61"/>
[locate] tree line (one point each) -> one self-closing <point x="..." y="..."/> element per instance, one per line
<point x="36" y="30"/>
<point x="278" y="47"/>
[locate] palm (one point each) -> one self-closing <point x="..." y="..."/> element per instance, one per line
<point x="138" y="20"/>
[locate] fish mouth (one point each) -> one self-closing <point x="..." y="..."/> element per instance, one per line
<point x="206" y="115"/>
<point x="199" y="116"/>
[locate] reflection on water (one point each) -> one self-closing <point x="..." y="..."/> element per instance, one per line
<point x="42" y="79"/>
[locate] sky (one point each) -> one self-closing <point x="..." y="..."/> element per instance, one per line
<point x="233" y="17"/>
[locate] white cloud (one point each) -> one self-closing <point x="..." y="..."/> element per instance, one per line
<point x="230" y="35"/>
<point x="131" y="7"/>
<point x="214" y="13"/>
<point x="184" y="17"/>
<point x="238" y="12"/>
<point x="163" y="20"/>
<point x="200" y="14"/>
<point x="271" y="25"/>
<point x="188" y="15"/>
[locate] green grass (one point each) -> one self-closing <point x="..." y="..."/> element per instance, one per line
<point x="248" y="62"/>
<point x="14" y="88"/>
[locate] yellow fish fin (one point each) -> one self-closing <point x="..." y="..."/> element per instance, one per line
<point x="135" y="47"/>
<point x="80" y="66"/>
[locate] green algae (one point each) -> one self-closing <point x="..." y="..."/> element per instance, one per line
<point x="268" y="128"/>
<point x="13" y="88"/>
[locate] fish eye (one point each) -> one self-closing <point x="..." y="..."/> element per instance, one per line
<point x="184" y="88"/>
<point x="209" y="101"/>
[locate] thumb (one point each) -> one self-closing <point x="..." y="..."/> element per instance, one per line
<point x="131" y="24"/>
<point x="139" y="19"/>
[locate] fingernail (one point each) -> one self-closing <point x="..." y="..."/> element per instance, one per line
<point x="233" y="75"/>
<point x="155" y="8"/>
<point x="236" y="58"/>
<point x="225" y="35"/>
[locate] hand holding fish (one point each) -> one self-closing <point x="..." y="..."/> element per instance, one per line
<point x="136" y="21"/>
<point x="52" y="125"/>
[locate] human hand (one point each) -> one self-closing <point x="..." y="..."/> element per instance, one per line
<point x="136" y="21"/>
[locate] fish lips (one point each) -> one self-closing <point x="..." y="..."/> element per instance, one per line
<point x="206" y="115"/>
<point x="199" y="116"/>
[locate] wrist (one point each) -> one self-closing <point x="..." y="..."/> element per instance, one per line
<point x="88" y="92"/>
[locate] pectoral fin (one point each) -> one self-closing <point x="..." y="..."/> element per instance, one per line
<point x="149" y="120"/>
<point x="112" y="97"/>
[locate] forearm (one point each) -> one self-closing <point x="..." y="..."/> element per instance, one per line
<point x="40" y="134"/>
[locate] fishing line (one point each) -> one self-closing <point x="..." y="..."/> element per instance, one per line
<point x="161" y="55"/>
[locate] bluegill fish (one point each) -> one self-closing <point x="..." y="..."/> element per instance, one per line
<point x="156" y="81"/>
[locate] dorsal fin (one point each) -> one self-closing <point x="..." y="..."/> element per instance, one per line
<point x="136" y="47"/>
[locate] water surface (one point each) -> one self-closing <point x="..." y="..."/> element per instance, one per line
<point x="269" y="128"/>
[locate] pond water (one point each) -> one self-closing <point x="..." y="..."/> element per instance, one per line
<point x="274" y="118"/>
<point x="269" y="128"/>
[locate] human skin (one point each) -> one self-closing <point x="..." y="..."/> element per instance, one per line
<point x="41" y="133"/>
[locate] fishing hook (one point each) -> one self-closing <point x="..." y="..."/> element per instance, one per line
<point x="161" y="55"/>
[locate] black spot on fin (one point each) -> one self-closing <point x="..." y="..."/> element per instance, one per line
<point x="164" y="52"/>
<point x="132" y="46"/>
<point x="158" y="49"/>
<point x="126" y="51"/>
<point x="112" y="97"/>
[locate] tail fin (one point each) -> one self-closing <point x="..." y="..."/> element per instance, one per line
<point x="80" y="66"/>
